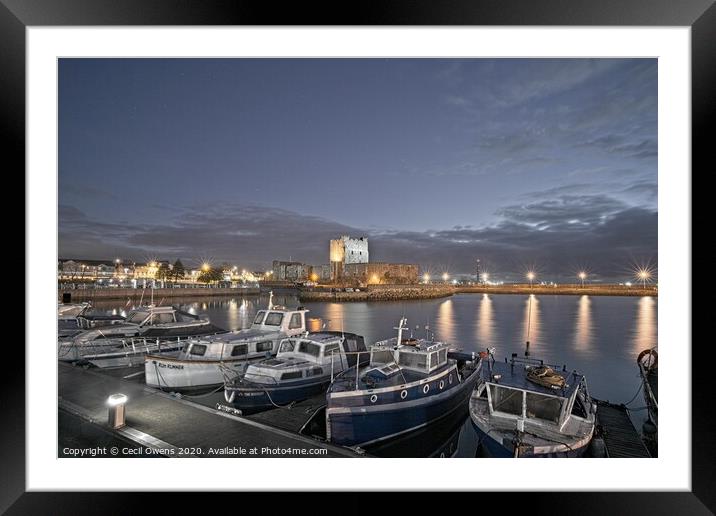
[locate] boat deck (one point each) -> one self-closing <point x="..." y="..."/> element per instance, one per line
<point x="621" y="439"/>
<point x="158" y="420"/>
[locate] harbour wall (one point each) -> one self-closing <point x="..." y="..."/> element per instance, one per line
<point x="91" y="294"/>
<point x="565" y="290"/>
<point x="380" y="293"/>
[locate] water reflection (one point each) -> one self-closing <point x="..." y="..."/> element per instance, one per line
<point x="486" y="323"/>
<point x="645" y="330"/>
<point x="334" y="317"/>
<point x="445" y="322"/>
<point x="584" y="329"/>
<point x="531" y="324"/>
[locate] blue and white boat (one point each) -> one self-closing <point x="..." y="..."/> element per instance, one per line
<point x="302" y="368"/>
<point x="407" y="384"/>
<point x="526" y="408"/>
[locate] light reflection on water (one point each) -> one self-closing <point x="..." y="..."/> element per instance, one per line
<point x="583" y="329"/>
<point x="644" y="335"/>
<point x="486" y="333"/>
<point x="599" y="336"/>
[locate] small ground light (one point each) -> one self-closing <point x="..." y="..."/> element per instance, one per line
<point x="116" y="403"/>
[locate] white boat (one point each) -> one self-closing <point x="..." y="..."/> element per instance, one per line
<point x="144" y="329"/>
<point x="526" y="408"/>
<point x="71" y="310"/>
<point x="204" y="362"/>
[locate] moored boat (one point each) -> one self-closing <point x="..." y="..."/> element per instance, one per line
<point x="204" y="362"/>
<point x="648" y="362"/>
<point x="145" y="329"/>
<point x="526" y="408"/>
<point x="303" y="367"/>
<point x="406" y="384"/>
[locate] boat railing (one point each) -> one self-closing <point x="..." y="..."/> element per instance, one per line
<point x="346" y="367"/>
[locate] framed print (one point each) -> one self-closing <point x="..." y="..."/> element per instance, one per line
<point x="277" y="242"/>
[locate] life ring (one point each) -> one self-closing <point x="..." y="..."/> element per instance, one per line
<point x="426" y="388"/>
<point x="229" y="397"/>
<point x="651" y="352"/>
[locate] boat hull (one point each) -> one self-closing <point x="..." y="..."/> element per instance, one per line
<point x="255" y="398"/>
<point x="488" y="446"/>
<point x="371" y="423"/>
<point x="170" y="373"/>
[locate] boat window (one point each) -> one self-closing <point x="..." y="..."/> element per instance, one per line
<point x="506" y="400"/>
<point x="309" y="348"/>
<point x="162" y="318"/>
<point x="259" y="317"/>
<point x="136" y="317"/>
<point x="413" y="360"/>
<point x="266" y="345"/>
<point x="291" y="375"/>
<point x="287" y="345"/>
<point x="381" y="357"/>
<point x="443" y="356"/>
<point x="543" y="407"/>
<point x="316" y="371"/>
<point x="295" y="322"/>
<point x="198" y="349"/>
<point x="239" y="349"/>
<point x="433" y="359"/>
<point x="274" y="319"/>
<point x="331" y="349"/>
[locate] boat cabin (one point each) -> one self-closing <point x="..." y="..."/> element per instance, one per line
<point x="315" y="354"/>
<point x="416" y="355"/>
<point x="290" y="322"/>
<point x="509" y="394"/>
<point x="154" y="315"/>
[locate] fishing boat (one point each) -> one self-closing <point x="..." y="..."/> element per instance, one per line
<point x="406" y="384"/>
<point x="303" y="367"/>
<point x="526" y="408"/>
<point x="202" y="362"/>
<point x="648" y="362"/>
<point x="145" y="329"/>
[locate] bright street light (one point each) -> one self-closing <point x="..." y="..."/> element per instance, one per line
<point x="531" y="277"/>
<point x="582" y="277"/>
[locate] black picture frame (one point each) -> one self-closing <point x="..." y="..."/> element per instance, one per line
<point x="17" y="15"/>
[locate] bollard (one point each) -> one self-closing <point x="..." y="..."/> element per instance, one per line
<point x="116" y="404"/>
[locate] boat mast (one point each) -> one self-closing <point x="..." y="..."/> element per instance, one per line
<point x="400" y="329"/>
<point x="270" y="303"/>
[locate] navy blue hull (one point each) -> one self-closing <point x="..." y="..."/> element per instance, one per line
<point x="255" y="399"/>
<point x="492" y="448"/>
<point x="369" y="424"/>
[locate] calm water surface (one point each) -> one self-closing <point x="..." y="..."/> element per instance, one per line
<point x="599" y="336"/>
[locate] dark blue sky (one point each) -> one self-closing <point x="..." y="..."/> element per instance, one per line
<point x="549" y="163"/>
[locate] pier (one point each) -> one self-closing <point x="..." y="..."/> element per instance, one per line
<point x="173" y="426"/>
<point x="621" y="439"/>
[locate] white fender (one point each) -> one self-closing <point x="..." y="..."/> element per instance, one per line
<point x="229" y="397"/>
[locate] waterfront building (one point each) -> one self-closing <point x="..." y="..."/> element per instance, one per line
<point x="376" y="273"/>
<point x="347" y="250"/>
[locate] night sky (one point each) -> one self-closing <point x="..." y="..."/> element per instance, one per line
<point x="548" y="164"/>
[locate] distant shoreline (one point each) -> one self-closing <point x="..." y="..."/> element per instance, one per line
<point x="408" y="292"/>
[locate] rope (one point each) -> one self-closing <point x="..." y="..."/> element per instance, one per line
<point x="641" y="386"/>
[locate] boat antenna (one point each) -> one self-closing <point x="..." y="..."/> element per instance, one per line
<point x="270" y="303"/>
<point x="152" y="301"/>
<point x="400" y="329"/>
<point x="141" y="298"/>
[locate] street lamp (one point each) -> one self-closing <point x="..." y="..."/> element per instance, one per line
<point x="531" y="277"/>
<point x="582" y="277"/>
<point x="426" y="278"/>
<point x="643" y="276"/>
<point x="445" y="276"/>
<point x="485" y="277"/>
<point x="205" y="266"/>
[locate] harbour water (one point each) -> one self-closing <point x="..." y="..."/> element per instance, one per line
<point x="599" y="336"/>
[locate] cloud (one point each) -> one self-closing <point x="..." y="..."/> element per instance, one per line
<point x="592" y="229"/>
